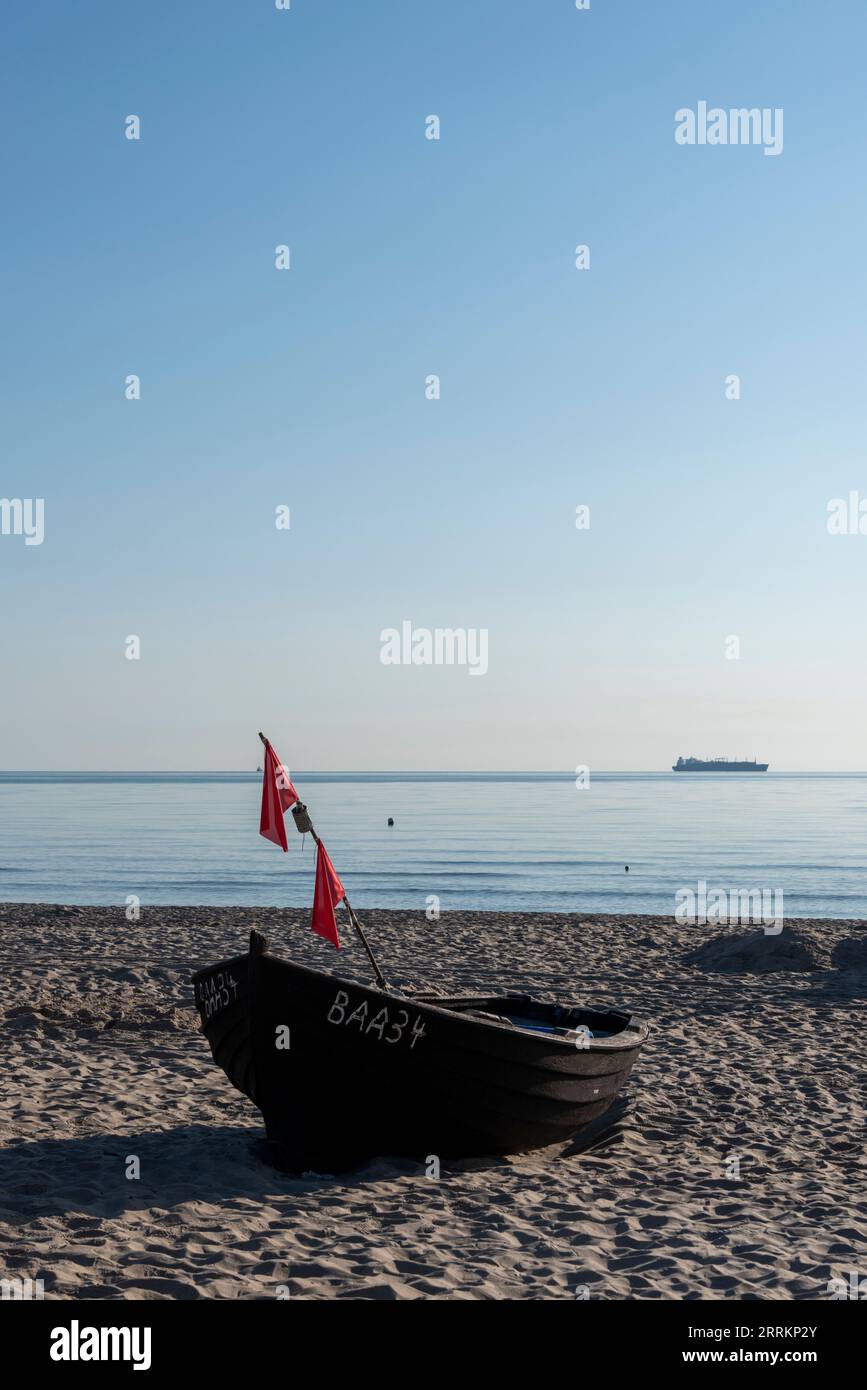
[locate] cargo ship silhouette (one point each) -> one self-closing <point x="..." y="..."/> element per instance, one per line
<point x="716" y="765"/>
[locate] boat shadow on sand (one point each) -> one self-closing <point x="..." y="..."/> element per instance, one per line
<point x="86" y="1176"/>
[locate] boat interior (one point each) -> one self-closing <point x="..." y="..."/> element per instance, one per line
<point x="523" y="1012"/>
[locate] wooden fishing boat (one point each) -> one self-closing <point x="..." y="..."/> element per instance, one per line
<point x="343" y="1071"/>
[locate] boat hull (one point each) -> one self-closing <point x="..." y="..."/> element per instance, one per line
<point x="342" y="1071"/>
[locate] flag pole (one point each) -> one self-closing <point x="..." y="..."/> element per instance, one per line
<point x="380" y="978"/>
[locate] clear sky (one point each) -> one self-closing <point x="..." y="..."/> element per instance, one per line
<point x="306" y="387"/>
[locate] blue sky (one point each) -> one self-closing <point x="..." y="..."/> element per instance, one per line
<point x="306" y="387"/>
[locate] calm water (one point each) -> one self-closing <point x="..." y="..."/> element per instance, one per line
<point x="495" y="841"/>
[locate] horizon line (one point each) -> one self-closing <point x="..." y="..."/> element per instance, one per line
<point x="390" y="772"/>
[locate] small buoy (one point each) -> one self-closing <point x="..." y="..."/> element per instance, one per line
<point x="626" y="868"/>
<point x="390" y="821"/>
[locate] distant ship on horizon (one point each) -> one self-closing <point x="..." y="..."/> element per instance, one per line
<point x="716" y="765"/>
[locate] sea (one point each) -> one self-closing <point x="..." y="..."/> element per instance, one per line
<point x="503" y="841"/>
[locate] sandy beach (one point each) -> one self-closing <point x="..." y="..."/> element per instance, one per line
<point x="736" y="1170"/>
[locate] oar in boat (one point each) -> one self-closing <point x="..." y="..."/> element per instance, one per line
<point x="304" y="825"/>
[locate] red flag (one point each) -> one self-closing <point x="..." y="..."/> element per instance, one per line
<point x="328" y="893"/>
<point x="278" y="794"/>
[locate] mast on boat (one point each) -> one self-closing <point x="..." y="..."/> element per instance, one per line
<point x="304" y="825"/>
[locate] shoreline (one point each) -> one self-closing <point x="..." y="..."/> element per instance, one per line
<point x="735" y="1172"/>
<point x="295" y="915"/>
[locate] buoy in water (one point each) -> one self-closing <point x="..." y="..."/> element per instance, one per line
<point x="390" y="821"/>
<point x="626" y="868"/>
